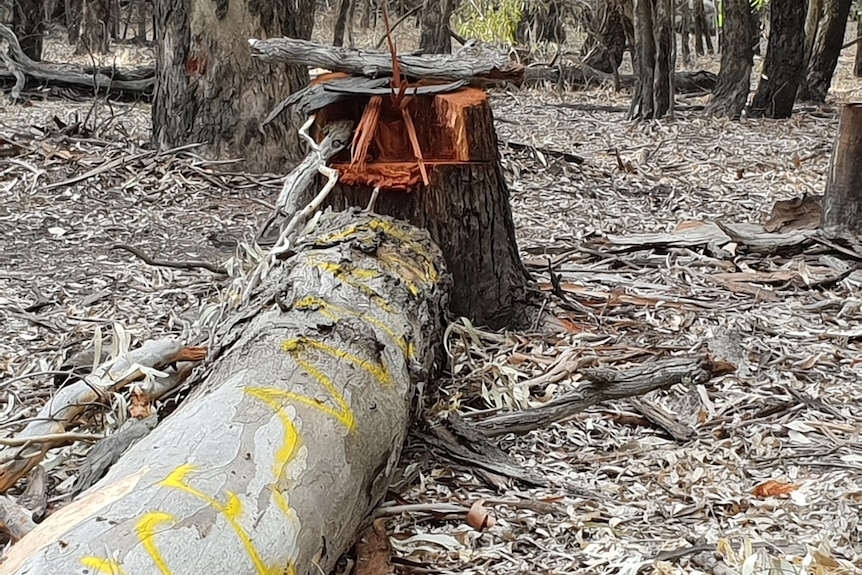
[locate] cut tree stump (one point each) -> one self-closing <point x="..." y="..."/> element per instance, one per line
<point x="842" y="202"/>
<point x="271" y="464"/>
<point x="463" y="203"/>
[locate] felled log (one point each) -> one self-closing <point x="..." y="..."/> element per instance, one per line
<point x="473" y="61"/>
<point x="15" y="64"/>
<point x="685" y="81"/>
<point x="271" y="464"/>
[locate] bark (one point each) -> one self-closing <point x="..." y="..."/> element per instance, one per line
<point x="685" y="26"/>
<point x="655" y="59"/>
<point x="783" y="67"/>
<point x="273" y="463"/>
<point x="340" y="23"/>
<point x="702" y="28"/>
<point x="857" y="63"/>
<point x="28" y="23"/>
<point x="842" y="202"/>
<point x="734" y="78"/>
<point x="469" y="63"/>
<point x="825" y="51"/>
<point x="209" y="88"/>
<point x="541" y="21"/>
<point x="73" y="19"/>
<point x="812" y="20"/>
<point x="613" y="33"/>
<point x="464" y="203"/>
<point x="93" y="37"/>
<point x="434" y="37"/>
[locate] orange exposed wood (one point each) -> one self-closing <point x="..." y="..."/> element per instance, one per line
<point x="386" y="156"/>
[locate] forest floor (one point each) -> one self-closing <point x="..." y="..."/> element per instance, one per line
<point x="77" y="178"/>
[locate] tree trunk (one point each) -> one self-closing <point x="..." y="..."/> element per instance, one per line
<point x="655" y="59"/>
<point x="825" y="51"/>
<point x="842" y="202"/>
<point x="541" y="21"/>
<point x="703" y="27"/>
<point x="783" y="67"/>
<point x="209" y="88"/>
<point x="340" y="23"/>
<point x="812" y="20"/>
<point x="434" y="37"/>
<point x="73" y="20"/>
<point x="857" y="63"/>
<point x="613" y="33"/>
<point x="28" y="21"/>
<point x="464" y="204"/>
<point x="273" y="463"/>
<point x="93" y="37"/>
<point x="733" y="85"/>
<point x="685" y="27"/>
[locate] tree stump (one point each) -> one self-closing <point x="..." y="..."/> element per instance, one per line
<point x="842" y="202"/>
<point x="271" y="465"/>
<point x="464" y="203"/>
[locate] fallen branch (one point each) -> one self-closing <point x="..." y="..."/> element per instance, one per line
<point x="171" y="264"/>
<point x="135" y="84"/>
<point x="473" y="61"/>
<point x="605" y="384"/>
<point x="47" y="429"/>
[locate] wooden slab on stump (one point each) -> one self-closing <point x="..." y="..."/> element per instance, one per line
<point x="271" y="466"/>
<point x="464" y="204"/>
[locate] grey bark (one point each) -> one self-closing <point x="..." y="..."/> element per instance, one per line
<point x="274" y="462"/>
<point x="655" y="59"/>
<point x="842" y="202"/>
<point x="209" y="88"/>
<point x="93" y="35"/>
<point x="734" y="78"/>
<point x="825" y="51"/>
<point x="28" y="26"/>
<point x="434" y="37"/>
<point x="784" y="63"/>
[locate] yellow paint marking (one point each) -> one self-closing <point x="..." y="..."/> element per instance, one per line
<point x="288" y="447"/>
<point x="379" y="372"/>
<point x="230" y="510"/>
<point x="146" y="529"/>
<point x="347" y="275"/>
<point x="331" y="311"/>
<point x="390" y="230"/>
<point x="106" y="566"/>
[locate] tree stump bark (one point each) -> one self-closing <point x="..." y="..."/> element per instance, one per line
<point x="272" y="465"/>
<point x="842" y="202"/>
<point x="464" y="203"/>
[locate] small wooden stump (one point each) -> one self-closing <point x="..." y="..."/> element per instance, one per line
<point x="464" y="204"/>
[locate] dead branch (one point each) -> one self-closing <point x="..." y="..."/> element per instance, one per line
<point x="604" y="384"/>
<point x="472" y="61"/>
<point x="171" y="264"/>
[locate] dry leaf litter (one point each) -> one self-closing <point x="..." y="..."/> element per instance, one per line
<point x="621" y="495"/>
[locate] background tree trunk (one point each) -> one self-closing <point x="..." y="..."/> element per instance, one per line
<point x="613" y="33"/>
<point x="541" y="21"/>
<point x="783" y="67"/>
<point x="209" y="88"/>
<point x="812" y="20"/>
<point x="732" y="87"/>
<point x="655" y="59"/>
<point x="842" y="202"/>
<point x="27" y="23"/>
<point x="685" y="28"/>
<point x="825" y="51"/>
<point x="434" y="37"/>
<point x="93" y="37"/>
<point x="273" y="463"/>
<point x="340" y="23"/>
<point x="703" y="29"/>
<point x="465" y="204"/>
<point x="73" y="19"/>
<point x="857" y="63"/>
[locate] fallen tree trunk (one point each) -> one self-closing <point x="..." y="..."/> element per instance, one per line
<point x="272" y="463"/>
<point x="685" y="81"/>
<point x="133" y="84"/>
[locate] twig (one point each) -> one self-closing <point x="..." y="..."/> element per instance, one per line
<point x="171" y="264"/>
<point x="55" y="438"/>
